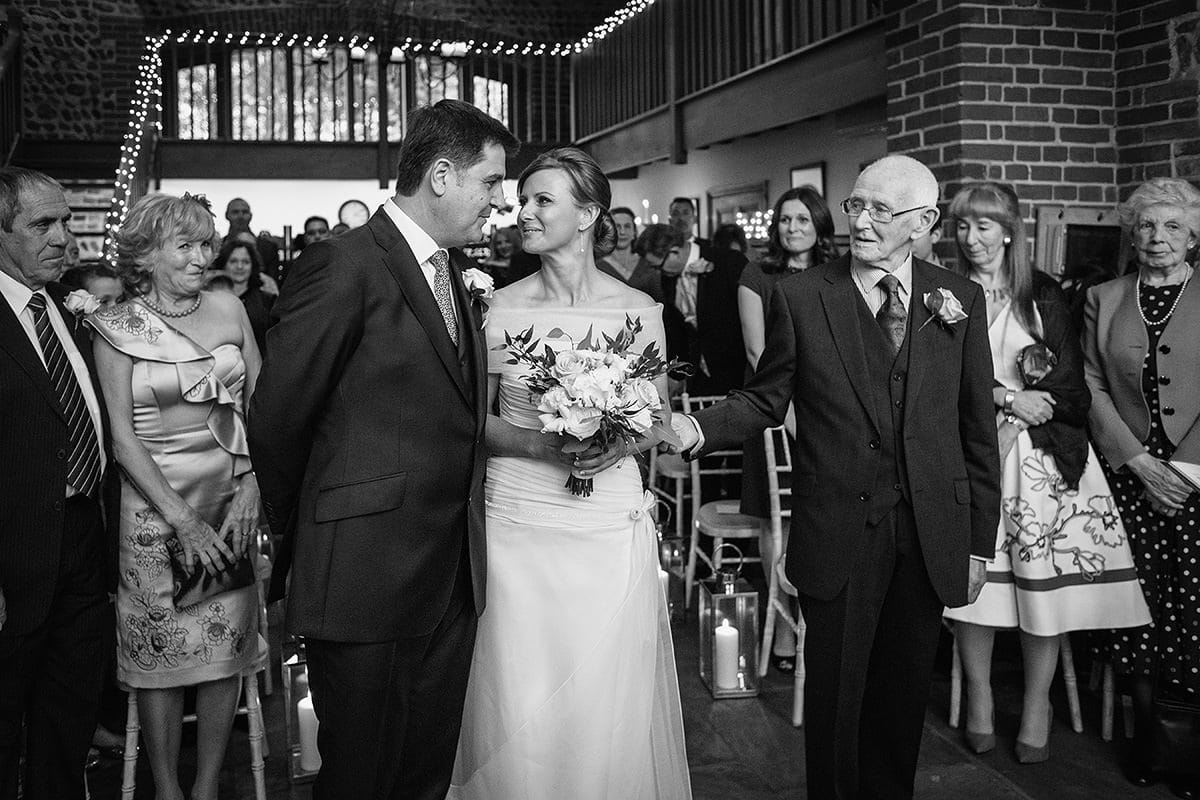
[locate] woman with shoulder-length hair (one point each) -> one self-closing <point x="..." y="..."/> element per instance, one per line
<point x="572" y="690"/>
<point x="241" y="262"/>
<point x="1140" y="338"/>
<point x="1062" y="558"/>
<point x="176" y="365"/>
<point x="799" y="236"/>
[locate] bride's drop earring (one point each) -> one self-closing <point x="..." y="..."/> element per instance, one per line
<point x="582" y="247"/>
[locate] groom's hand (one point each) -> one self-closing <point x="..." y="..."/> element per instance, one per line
<point x="976" y="579"/>
<point x="687" y="430"/>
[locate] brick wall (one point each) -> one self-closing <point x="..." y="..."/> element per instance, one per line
<point x="1157" y="86"/>
<point x="1013" y="90"/>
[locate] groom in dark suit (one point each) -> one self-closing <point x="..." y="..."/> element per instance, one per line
<point x="366" y="431"/>
<point x="56" y="624"/>
<point x="896" y="478"/>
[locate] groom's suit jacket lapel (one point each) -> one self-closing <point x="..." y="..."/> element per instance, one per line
<point x="471" y="345"/>
<point x="403" y="265"/>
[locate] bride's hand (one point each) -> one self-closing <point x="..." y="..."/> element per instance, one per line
<point x="595" y="459"/>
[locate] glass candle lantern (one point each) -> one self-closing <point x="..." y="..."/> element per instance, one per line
<point x="300" y="719"/>
<point x="729" y="635"/>
<point x="671" y="552"/>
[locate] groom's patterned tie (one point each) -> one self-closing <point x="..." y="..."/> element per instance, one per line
<point x="83" y="462"/>
<point x="441" y="290"/>
<point x="891" y="315"/>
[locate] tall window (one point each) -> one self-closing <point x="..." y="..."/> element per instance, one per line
<point x="196" y="93"/>
<point x="436" y="79"/>
<point x="491" y="97"/>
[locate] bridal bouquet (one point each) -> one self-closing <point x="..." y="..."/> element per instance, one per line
<point x="596" y="391"/>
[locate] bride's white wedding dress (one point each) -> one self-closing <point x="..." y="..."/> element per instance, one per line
<point x="573" y="692"/>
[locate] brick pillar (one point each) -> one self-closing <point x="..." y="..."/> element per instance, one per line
<point x="1012" y="90"/>
<point x="1158" y="83"/>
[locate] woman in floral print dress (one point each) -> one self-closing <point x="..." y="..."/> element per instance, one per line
<point x="176" y="365"/>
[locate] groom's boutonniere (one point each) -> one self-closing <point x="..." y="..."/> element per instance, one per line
<point x="479" y="284"/>
<point x="943" y="307"/>
<point x="81" y="302"/>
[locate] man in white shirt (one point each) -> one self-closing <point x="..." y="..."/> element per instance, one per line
<point x="366" y="431"/>
<point x="56" y="625"/>
<point x="896" y="476"/>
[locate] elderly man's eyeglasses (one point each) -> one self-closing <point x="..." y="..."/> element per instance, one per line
<point x="853" y="207"/>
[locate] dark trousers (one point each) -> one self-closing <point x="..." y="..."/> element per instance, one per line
<point x="869" y="654"/>
<point x="51" y="676"/>
<point x="390" y="712"/>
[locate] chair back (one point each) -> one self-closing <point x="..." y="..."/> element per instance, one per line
<point x="779" y="482"/>
<point x="717" y="462"/>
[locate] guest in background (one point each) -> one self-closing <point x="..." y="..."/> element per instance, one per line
<point x="924" y="248"/>
<point x="652" y="248"/>
<point x="71" y="256"/>
<point x="316" y="229"/>
<point x="1140" y="361"/>
<point x="55" y="618"/>
<point x="1062" y="556"/>
<point x="238" y="215"/>
<point x="622" y="261"/>
<point x="188" y="492"/>
<point x="731" y="237"/>
<point x="799" y="236"/>
<point x="506" y="243"/>
<point x="219" y="282"/>
<point x="99" y="281"/>
<point x="240" y="263"/>
<point x="701" y="314"/>
<point x="339" y="229"/>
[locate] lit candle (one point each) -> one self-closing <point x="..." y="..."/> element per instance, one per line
<point x="664" y="579"/>
<point x="725" y="643"/>
<point x="310" y="756"/>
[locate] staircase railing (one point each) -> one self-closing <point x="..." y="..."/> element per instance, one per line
<point x="10" y="85"/>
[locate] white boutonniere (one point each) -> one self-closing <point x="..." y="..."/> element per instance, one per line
<point x="81" y="302"/>
<point x="479" y="284"/>
<point x="944" y="307"/>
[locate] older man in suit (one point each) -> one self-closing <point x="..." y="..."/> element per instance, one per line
<point x="896" y="479"/>
<point x="366" y="433"/>
<point x="56" y="624"/>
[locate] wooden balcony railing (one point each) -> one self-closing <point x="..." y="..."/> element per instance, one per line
<point x="10" y="85"/>
<point x="678" y="48"/>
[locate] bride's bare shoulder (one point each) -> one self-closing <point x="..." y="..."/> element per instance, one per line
<point x="514" y="295"/>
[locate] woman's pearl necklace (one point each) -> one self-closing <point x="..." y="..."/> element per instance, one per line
<point x="157" y="309"/>
<point x="1178" y="297"/>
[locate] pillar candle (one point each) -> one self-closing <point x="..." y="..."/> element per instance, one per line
<point x="726" y="645"/>
<point x="664" y="579"/>
<point x="310" y="756"/>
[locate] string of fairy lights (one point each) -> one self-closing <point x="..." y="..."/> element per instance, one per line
<point x="148" y="85"/>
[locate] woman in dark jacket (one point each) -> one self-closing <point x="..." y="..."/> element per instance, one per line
<point x="1062" y="557"/>
<point x="241" y="263"/>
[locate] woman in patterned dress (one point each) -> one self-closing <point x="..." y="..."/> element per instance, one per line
<point x="1062" y="556"/>
<point x="1140" y="349"/>
<point x="176" y="365"/>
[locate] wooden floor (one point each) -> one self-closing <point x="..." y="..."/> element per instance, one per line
<point x="748" y="749"/>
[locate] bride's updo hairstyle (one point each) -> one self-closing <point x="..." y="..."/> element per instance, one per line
<point x="589" y="187"/>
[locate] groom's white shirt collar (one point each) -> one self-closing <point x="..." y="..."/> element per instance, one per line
<point x="421" y="243"/>
<point x="867" y="278"/>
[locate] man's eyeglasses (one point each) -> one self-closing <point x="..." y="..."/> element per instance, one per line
<point x="853" y="207"/>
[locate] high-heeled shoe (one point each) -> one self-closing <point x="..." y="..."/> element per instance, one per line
<point x="1031" y="754"/>
<point x="981" y="743"/>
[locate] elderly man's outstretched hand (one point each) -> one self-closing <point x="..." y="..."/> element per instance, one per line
<point x="688" y="432"/>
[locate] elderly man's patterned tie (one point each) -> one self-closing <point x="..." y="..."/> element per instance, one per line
<point x="83" y="462"/>
<point x="891" y="315"/>
<point x="441" y="291"/>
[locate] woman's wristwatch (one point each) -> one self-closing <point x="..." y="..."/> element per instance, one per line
<point x="1009" y="396"/>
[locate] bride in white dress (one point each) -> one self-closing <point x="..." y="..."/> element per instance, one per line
<point x="573" y="692"/>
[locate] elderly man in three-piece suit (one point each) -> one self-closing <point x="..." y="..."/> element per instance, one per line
<point x="56" y="625"/>
<point x="896" y="473"/>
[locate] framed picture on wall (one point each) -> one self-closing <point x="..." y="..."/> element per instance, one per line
<point x="810" y="174"/>
<point x="736" y="204"/>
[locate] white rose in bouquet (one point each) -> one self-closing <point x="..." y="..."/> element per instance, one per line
<point x="580" y="422"/>
<point x="588" y="390"/>
<point x="570" y="362"/>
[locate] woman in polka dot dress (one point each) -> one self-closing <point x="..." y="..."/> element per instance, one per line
<point x="1142" y="363"/>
